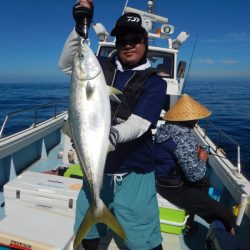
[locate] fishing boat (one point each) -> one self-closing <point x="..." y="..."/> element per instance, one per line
<point x="36" y="208"/>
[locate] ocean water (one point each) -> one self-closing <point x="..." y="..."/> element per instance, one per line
<point x="228" y="100"/>
<point x="19" y="96"/>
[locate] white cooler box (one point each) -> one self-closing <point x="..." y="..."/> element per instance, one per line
<point x="49" y="192"/>
<point x="36" y="229"/>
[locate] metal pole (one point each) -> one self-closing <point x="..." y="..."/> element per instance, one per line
<point x="238" y="159"/>
<point x="2" y="128"/>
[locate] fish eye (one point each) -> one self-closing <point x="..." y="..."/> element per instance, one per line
<point x="81" y="56"/>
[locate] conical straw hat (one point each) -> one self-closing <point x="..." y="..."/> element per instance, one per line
<point x="186" y="109"/>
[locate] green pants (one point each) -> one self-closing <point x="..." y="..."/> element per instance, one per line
<point x="133" y="201"/>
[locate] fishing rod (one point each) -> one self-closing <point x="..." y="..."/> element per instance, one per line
<point x="125" y="7"/>
<point x="190" y="62"/>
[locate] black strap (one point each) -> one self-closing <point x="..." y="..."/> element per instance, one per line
<point x="132" y="92"/>
<point x="108" y="68"/>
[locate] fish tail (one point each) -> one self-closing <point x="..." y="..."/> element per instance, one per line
<point x="109" y="219"/>
<point x="90" y="219"/>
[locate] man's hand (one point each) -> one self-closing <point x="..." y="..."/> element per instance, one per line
<point x="83" y="13"/>
<point x="86" y="3"/>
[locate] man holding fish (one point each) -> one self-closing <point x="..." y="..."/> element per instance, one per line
<point x="130" y="164"/>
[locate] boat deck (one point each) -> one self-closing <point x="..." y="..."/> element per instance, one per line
<point x="170" y="241"/>
<point x="110" y="242"/>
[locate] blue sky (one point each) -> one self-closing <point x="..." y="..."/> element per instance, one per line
<point x="33" y="34"/>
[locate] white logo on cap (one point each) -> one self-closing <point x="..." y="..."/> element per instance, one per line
<point x="133" y="19"/>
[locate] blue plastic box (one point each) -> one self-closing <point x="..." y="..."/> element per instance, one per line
<point x="214" y="193"/>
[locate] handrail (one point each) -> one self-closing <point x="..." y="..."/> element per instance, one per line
<point x="220" y="134"/>
<point x="35" y="109"/>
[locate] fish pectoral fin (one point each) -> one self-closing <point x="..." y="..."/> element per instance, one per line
<point x="90" y="219"/>
<point x="111" y="147"/>
<point x="90" y="87"/>
<point x="109" y="219"/>
<point x="114" y="90"/>
<point x="114" y="98"/>
<point x="114" y="94"/>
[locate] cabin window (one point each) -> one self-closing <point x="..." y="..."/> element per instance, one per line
<point x="106" y="51"/>
<point x="163" y="62"/>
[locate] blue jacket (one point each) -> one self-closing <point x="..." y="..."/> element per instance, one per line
<point x="176" y="146"/>
<point x="138" y="155"/>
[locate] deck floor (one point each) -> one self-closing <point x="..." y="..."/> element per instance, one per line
<point x="170" y="241"/>
<point x="111" y="242"/>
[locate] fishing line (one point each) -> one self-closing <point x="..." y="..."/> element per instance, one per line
<point x="189" y="66"/>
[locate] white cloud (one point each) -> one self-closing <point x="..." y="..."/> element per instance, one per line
<point x="236" y="37"/>
<point x="212" y="41"/>
<point x="223" y="74"/>
<point x="211" y="61"/>
<point x="205" y="61"/>
<point x="242" y="36"/>
<point x="229" y="61"/>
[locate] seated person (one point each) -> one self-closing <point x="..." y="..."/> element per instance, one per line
<point x="181" y="165"/>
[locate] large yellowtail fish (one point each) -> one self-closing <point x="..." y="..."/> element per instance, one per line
<point x="89" y="118"/>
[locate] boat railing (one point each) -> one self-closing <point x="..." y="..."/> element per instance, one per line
<point x="21" y="119"/>
<point x="219" y="137"/>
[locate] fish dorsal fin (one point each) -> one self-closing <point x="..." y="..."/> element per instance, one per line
<point x="114" y="94"/>
<point x="90" y="87"/>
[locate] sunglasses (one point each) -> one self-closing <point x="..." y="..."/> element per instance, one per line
<point x="131" y="40"/>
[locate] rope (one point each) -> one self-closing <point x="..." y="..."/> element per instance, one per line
<point x="236" y="208"/>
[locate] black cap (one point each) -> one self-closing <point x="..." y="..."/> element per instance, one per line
<point x="131" y="21"/>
